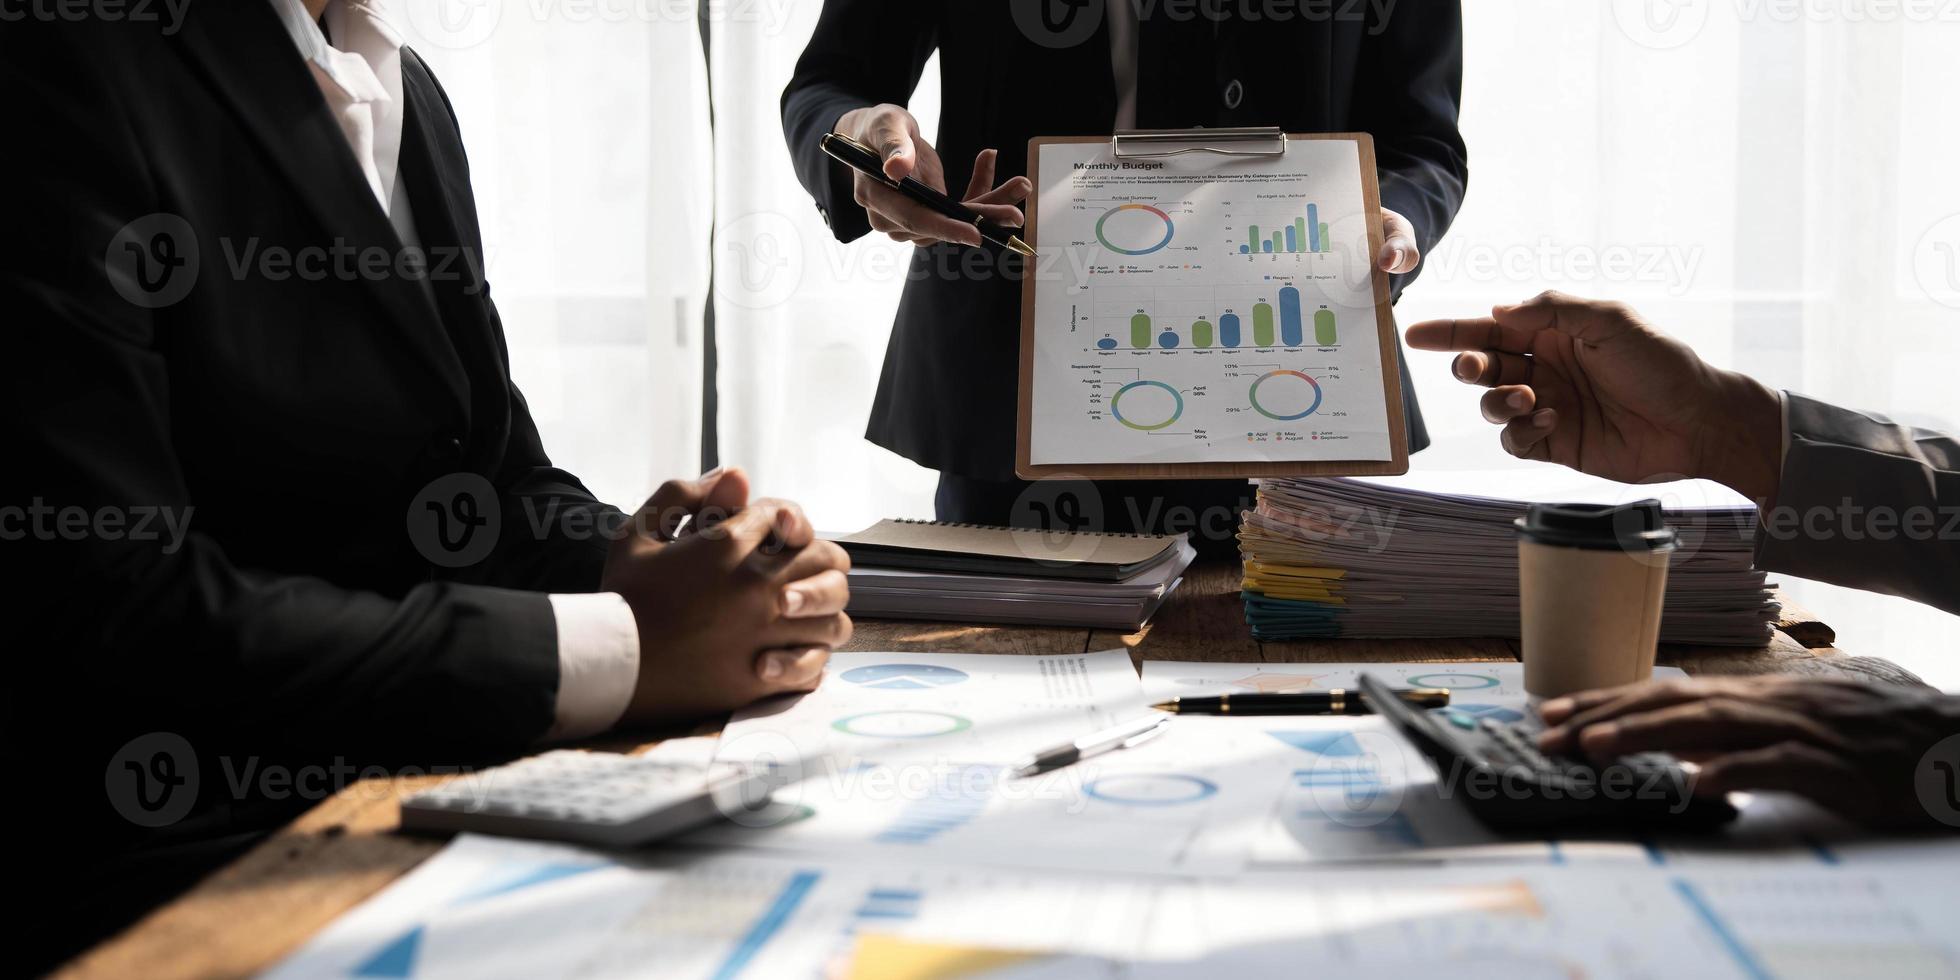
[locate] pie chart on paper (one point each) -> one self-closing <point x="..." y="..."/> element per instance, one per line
<point x="903" y="677"/>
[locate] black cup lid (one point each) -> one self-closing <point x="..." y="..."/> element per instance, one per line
<point x="1638" y="526"/>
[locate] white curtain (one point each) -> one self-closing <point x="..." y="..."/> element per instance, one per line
<point x="1769" y="180"/>
<point x="587" y="131"/>
<point x="801" y="319"/>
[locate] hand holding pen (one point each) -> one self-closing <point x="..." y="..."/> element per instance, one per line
<point x="892" y="133"/>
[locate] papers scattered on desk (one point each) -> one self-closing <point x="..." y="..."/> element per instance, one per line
<point x="489" y="907"/>
<point x="907" y="757"/>
<point x="1435" y="555"/>
<point x="1228" y="847"/>
<point x="1120" y="604"/>
<point x="497" y="908"/>
<point x="1354" y="791"/>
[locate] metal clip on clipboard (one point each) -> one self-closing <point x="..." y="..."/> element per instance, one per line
<point x="1240" y="141"/>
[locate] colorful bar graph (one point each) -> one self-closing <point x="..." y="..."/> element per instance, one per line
<point x="1140" y="331"/>
<point x="1262" y="324"/>
<point x="1324" y="333"/>
<point x="1201" y="334"/>
<point x="1228" y="329"/>
<point x="1298" y="236"/>
<point x="1291" y="333"/>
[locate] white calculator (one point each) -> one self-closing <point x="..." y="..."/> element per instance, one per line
<point x="598" y="798"/>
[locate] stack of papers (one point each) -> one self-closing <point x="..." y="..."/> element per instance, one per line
<point x="1435" y="555"/>
<point x="1122" y="604"/>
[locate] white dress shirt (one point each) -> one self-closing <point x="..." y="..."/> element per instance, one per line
<point x="360" y="75"/>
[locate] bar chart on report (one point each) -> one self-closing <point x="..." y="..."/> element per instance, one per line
<point x="1189" y="309"/>
<point x="1279" y="314"/>
<point x="1303" y="233"/>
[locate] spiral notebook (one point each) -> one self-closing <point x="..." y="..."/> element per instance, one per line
<point x="983" y="549"/>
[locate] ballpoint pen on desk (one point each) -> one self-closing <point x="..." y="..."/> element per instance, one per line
<point x="1336" y="701"/>
<point x="1127" y="735"/>
<point x="866" y="161"/>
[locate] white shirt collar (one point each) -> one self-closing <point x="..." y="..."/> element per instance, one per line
<point x="364" y="63"/>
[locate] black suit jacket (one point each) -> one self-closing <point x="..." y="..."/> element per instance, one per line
<point x="295" y="414"/>
<point x="946" y="398"/>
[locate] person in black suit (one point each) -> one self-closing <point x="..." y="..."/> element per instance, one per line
<point x="273" y="512"/>
<point x="1018" y="69"/>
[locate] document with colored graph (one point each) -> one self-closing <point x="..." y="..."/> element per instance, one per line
<point x="1204" y="310"/>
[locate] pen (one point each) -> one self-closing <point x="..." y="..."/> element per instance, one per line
<point x="866" y="161"/>
<point x="1126" y="735"/>
<point x="1336" y="701"/>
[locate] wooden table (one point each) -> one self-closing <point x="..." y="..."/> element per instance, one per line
<point x="246" y="916"/>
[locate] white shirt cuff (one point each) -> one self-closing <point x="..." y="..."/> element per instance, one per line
<point x="598" y="662"/>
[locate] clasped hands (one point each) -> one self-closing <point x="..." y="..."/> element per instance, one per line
<point x="735" y="600"/>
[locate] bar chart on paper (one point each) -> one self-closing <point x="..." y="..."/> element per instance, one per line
<point x="1303" y="233"/>
<point x="1276" y="314"/>
<point x="1193" y="310"/>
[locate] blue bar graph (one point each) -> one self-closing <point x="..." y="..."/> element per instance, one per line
<point x="1228" y="329"/>
<point x="1266" y="246"/>
<point x="1313" y="228"/>
<point x="1291" y="333"/>
<point x="765" y="928"/>
<point x="1292" y="240"/>
<point x="1167" y="340"/>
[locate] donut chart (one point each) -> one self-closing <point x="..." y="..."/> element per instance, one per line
<point x="1126" y="212"/>
<point x="902" y="724"/>
<point x="1283" y="399"/>
<point x="1145" y="420"/>
<point x="1151" y="789"/>
<point x="1453" y="681"/>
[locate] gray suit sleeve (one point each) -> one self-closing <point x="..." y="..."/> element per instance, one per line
<point x="1867" y="503"/>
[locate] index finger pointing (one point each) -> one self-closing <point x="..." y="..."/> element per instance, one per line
<point x="1482" y="333"/>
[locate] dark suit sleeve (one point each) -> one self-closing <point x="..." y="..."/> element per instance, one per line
<point x="1407" y="96"/>
<point x="556" y="533"/>
<point x="171" y="628"/>
<point x="1867" y="503"/>
<point x="864" y="52"/>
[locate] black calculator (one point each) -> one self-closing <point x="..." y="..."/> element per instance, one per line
<point x="1495" y="768"/>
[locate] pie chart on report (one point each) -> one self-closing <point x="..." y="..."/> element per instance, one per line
<point x="902" y="677"/>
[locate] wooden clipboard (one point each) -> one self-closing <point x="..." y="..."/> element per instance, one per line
<point x="1228" y="142"/>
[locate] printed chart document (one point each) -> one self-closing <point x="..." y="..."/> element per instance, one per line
<point x="978" y="708"/>
<point x="1207" y="309"/>
<point x="1479" y="687"/>
<point x="908" y="757"/>
<point x="1354" y="790"/>
<point x="491" y="908"/>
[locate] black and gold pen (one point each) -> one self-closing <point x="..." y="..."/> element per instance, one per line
<point x="866" y="161"/>
<point x="1335" y="701"/>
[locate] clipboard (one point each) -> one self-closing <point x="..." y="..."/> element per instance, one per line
<point x="1263" y="142"/>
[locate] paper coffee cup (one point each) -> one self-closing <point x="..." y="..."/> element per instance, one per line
<point x="1592" y="579"/>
